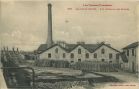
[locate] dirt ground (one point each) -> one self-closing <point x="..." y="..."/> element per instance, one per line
<point x="123" y="76"/>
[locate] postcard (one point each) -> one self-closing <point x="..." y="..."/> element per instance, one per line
<point x="69" y="44"/>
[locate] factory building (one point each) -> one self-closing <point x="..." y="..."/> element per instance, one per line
<point x="75" y="52"/>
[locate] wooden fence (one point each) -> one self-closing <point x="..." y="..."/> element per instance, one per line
<point x="86" y="65"/>
<point x="52" y="63"/>
<point x="96" y="66"/>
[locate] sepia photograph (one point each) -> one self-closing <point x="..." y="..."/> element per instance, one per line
<point x="69" y="44"/>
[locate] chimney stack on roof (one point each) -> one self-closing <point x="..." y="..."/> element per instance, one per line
<point x="13" y="49"/>
<point x="17" y="50"/>
<point x="7" y="48"/>
<point x="62" y="43"/>
<point x="80" y="42"/>
<point x="4" y="48"/>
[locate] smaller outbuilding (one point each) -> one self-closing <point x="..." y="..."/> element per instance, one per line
<point x="130" y="59"/>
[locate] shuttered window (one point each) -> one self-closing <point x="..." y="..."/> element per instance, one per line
<point x="110" y="56"/>
<point x="72" y="55"/>
<point x="87" y="55"/>
<point x="95" y="55"/>
<point x="49" y="55"/>
<point x="79" y="51"/>
<point x="102" y="51"/>
<point x="64" y="55"/>
<point x="56" y="50"/>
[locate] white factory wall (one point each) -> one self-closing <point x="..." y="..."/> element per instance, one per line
<point x="132" y="65"/>
<point x="105" y="56"/>
<point x="82" y="56"/>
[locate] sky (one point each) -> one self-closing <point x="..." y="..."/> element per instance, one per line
<point x="23" y="23"/>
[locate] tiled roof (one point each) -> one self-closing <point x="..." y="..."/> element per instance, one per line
<point x="91" y="47"/>
<point x="42" y="47"/>
<point x="124" y="57"/>
<point x="69" y="47"/>
<point x="133" y="45"/>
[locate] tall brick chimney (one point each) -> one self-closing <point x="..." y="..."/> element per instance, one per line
<point x="49" y="35"/>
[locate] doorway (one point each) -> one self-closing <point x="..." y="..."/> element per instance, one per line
<point x="79" y="60"/>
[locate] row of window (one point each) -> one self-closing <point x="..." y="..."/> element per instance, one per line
<point x="95" y="55"/>
<point x="79" y="51"/>
<point x="102" y="51"/>
<point x="133" y="52"/>
<point x="79" y="60"/>
<point x="86" y="55"/>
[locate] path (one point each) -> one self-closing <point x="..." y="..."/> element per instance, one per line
<point x="123" y="76"/>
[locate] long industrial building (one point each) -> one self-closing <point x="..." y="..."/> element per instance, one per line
<point x="75" y="52"/>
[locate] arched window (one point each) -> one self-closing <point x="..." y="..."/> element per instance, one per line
<point x="79" y="60"/>
<point x="102" y="51"/>
<point x="56" y="50"/>
<point x="102" y="60"/>
<point x="49" y="55"/>
<point x="64" y="55"/>
<point x="95" y="55"/>
<point x="72" y="55"/>
<point x="117" y="56"/>
<point x="79" y="51"/>
<point x="87" y="55"/>
<point x="110" y="56"/>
